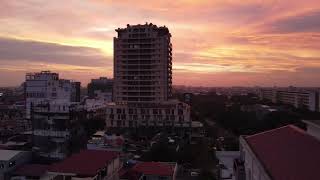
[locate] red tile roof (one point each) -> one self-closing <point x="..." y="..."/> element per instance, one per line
<point x="127" y="173"/>
<point x="85" y="163"/>
<point x="287" y="153"/>
<point x="155" y="168"/>
<point x="31" y="170"/>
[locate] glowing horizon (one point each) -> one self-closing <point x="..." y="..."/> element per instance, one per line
<point x="215" y="42"/>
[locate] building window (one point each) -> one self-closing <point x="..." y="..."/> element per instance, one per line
<point x="12" y="163"/>
<point x="155" y="111"/>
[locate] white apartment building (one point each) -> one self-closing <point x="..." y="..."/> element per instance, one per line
<point x="48" y="103"/>
<point x="46" y="85"/>
<point x="298" y="99"/>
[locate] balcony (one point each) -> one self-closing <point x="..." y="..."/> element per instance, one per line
<point x="51" y="133"/>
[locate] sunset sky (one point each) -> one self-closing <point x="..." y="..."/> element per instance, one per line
<point x="215" y="42"/>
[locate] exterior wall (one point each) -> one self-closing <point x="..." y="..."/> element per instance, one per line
<point x="52" y="127"/>
<point x="142" y="64"/>
<point x="313" y="129"/>
<point x="269" y="94"/>
<point x="171" y="114"/>
<point x="227" y="158"/>
<point x="253" y="168"/>
<point x="312" y="98"/>
<point x="112" y="169"/>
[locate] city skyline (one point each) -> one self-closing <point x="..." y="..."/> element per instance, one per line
<point x="215" y="43"/>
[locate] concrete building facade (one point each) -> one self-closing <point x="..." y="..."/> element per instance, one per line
<point x="53" y="129"/>
<point x="142" y="64"/>
<point x="313" y="128"/>
<point x="168" y="114"/>
<point x="46" y="85"/>
<point x="101" y="88"/>
<point x="143" y="80"/>
<point x="48" y="104"/>
<point x="254" y="169"/>
<point x="298" y="99"/>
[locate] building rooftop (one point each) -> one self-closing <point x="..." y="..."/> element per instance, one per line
<point x="6" y="155"/>
<point x="99" y="133"/>
<point x="31" y="170"/>
<point x="287" y="153"/>
<point x="155" y="168"/>
<point x="85" y="163"/>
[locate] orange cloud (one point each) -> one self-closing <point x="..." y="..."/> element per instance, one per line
<point x="215" y="42"/>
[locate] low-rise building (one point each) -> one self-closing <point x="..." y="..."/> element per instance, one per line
<point x="150" y="171"/>
<point x="30" y="171"/>
<point x="281" y="154"/>
<point x="10" y="160"/>
<point x="49" y="100"/>
<point x="298" y="98"/>
<point x="260" y="110"/>
<point x="46" y="85"/>
<point x="88" y="164"/>
<point x="167" y="114"/>
<point x="102" y="141"/>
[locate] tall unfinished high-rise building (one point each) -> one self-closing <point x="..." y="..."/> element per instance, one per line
<point x="142" y="64"/>
<point x="143" y="80"/>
